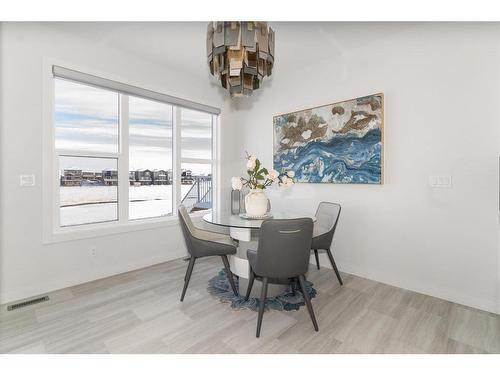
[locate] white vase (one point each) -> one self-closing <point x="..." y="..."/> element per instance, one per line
<point x="256" y="203"/>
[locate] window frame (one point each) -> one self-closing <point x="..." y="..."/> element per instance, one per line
<point x="52" y="231"/>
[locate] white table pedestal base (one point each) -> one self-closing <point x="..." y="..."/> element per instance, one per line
<point x="248" y="239"/>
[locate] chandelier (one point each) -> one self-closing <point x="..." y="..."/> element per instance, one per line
<point x="240" y="54"/>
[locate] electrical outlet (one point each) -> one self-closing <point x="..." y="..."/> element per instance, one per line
<point x="27" y="180"/>
<point x="440" y="181"/>
<point x="93" y="251"/>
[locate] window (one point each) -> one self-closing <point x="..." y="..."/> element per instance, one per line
<point x="150" y="158"/>
<point x="196" y="159"/>
<point x="88" y="190"/>
<point x="86" y="123"/>
<point x="125" y="154"/>
<point x="86" y="118"/>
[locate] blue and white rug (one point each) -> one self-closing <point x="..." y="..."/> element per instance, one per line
<point x="218" y="286"/>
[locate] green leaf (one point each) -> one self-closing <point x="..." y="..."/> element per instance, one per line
<point x="259" y="177"/>
<point x="260" y="186"/>
<point x="257" y="165"/>
<point x="263" y="171"/>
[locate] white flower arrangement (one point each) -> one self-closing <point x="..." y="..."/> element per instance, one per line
<point x="260" y="178"/>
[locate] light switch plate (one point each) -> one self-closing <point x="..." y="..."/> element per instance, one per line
<point x="27" y="180"/>
<point x="440" y="182"/>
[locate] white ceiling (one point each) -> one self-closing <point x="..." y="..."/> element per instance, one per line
<point x="181" y="45"/>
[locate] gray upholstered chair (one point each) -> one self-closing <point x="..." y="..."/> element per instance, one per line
<point x="282" y="254"/>
<point x="203" y="243"/>
<point x="327" y="217"/>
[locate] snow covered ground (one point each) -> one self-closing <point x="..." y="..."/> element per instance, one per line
<point x="91" y="204"/>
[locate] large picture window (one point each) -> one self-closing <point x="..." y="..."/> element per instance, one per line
<point x="125" y="154"/>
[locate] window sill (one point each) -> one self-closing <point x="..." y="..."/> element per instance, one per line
<point x="111" y="228"/>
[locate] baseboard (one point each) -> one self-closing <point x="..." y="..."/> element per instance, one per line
<point x="492" y="306"/>
<point x="36" y="290"/>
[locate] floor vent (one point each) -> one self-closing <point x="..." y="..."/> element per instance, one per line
<point x="27" y="303"/>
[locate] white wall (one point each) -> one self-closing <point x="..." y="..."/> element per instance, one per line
<point x="27" y="267"/>
<point x="441" y="86"/>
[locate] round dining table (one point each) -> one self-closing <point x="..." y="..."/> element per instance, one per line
<point x="246" y="232"/>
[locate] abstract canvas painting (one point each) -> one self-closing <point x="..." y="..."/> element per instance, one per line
<point x="337" y="143"/>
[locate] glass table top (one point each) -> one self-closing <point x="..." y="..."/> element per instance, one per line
<point x="227" y="219"/>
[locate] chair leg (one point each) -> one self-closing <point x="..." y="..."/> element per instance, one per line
<point x="189" y="271"/>
<point x="328" y="251"/>
<point x="229" y="274"/>
<point x="307" y="299"/>
<point x="317" y="257"/>
<point x="250" y="284"/>
<point x="263" y="295"/>
<point x="295" y="285"/>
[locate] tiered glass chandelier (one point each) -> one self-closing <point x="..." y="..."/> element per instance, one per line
<point x="240" y="54"/>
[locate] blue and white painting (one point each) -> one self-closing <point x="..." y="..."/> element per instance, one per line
<point x="337" y="143"/>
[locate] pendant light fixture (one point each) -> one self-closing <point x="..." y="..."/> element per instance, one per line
<point x="240" y="54"/>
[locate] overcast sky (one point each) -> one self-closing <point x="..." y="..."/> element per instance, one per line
<point x="86" y="119"/>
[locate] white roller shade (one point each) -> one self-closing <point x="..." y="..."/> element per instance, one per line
<point x="74" y="75"/>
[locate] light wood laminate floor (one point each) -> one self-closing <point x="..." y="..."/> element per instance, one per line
<point x="140" y="312"/>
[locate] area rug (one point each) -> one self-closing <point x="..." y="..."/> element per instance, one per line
<point x="218" y="286"/>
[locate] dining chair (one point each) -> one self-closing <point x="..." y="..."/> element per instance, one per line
<point x="282" y="254"/>
<point x="327" y="217"/>
<point x="203" y="243"/>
